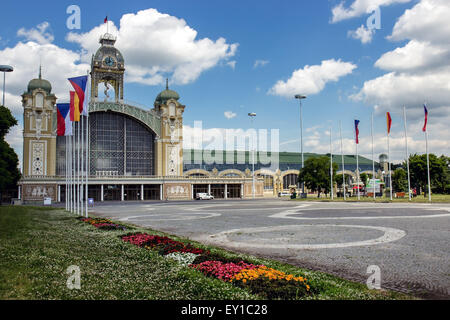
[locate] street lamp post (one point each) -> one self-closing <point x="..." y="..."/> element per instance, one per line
<point x="252" y="115"/>
<point x="4" y="69"/>
<point x="300" y="98"/>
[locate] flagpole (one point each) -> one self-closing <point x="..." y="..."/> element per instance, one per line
<point x="357" y="163"/>
<point x="373" y="160"/>
<point x="428" y="165"/>
<point x="66" y="172"/>
<point x="87" y="150"/>
<point x="81" y="165"/>
<point x="389" y="168"/>
<point x="72" y="167"/>
<point x="343" y="165"/>
<point x="78" y="168"/>
<point x="331" y="165"/>
<point x="87" y="162"/>
<point x="357" y="171"/>
<point x="407" y="153"/>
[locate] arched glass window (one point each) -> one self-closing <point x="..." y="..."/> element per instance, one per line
<point x="119" y="145"/>
<point x="268" y="181"/>
<point x="290" y="179"/>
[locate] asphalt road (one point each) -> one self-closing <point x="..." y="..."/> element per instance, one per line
<point x="408" y="242"/>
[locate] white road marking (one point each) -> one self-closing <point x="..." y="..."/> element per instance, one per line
<point x="287" y="214"/>
<point x="177" y="216"/>
<point x="390" y="234"/>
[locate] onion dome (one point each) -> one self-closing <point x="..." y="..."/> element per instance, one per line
<point x="167" y="94"/>
<point x="39" y="84"/>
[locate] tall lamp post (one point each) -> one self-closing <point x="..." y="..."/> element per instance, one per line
<point x="300" y="98"/>
<point x="252" y="115"/>
<point x="4" y="69"/>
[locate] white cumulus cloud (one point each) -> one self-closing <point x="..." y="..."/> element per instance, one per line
<point x="362" y="34"/>
<point x="155" y="44"/>
<point x="229" y="114"/>
<point x="40" y="34"/>
<point x="312" y="79"/>
<point x="359" y="8"/>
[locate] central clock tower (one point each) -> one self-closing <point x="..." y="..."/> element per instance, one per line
<point x="107" y="67"/>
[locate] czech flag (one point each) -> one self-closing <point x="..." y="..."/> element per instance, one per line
<point x="357" y="131"/>
<point x="64" y="126"/>
<point x="79" y="85"/>
<point x="106" y="19"/>
<point x="389" y="122"/>
<point x="426" y="118"/>
<point x="74" y="107"/>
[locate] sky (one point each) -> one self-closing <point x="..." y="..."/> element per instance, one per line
<point x="351" y="59"/>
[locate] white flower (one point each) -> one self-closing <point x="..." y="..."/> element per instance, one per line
<point x="183" y="258"/>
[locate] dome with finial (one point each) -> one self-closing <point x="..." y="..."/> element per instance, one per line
<point x="39" y="83"/>
<point x="167" y="94"/>
<point x="114" y="58"/>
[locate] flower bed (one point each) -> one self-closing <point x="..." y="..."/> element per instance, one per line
<point x="222" y="270"/>
<point x="103" y="224"/>
<point x="164" y="245"/>
<point x="271" y="283"/>
<point x="258" y="279"/>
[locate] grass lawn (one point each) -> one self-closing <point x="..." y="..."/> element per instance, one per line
<point x="441" y="198"/>
<point x="37" y="245"/>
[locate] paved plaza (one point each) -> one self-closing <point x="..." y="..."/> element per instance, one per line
<point x="408" y="242"/>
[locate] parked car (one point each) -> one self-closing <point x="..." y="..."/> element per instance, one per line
<point x="284" y="194"/>
<point x="204" y="196"/>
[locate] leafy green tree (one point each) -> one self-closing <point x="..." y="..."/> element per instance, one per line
<point x="9" y="172"/>
<point x="316" y="174"/>
<point x="400" y="180"/>
<point x="438" y="172"/>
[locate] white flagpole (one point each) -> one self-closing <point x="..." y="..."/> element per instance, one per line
<point x="87" y="163"/>
<point x="343" y="165"/>
<point x="72" y="166"/>
<point x="357" y="171"/>
<point x="373" y="161"/>
<point x="67" y="174"/>
<point x="389" y="168"/>
<point x="357" y="165"/>
<point x="81" y="166"/>
<point x="407" y="153"/>
<point x="87" y="152"/>
<point x="428" y="165"/>
<point x="331" y="165"/>
<point x="78" y="168"/>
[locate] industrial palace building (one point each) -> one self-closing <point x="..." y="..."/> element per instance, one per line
<point x="137" y="153"/>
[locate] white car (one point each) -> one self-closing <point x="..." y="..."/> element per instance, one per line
<point x="204" y="196"/>
<point x="284" y="194"/>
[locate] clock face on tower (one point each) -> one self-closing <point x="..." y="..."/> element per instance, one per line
<point x="109" y="61"/>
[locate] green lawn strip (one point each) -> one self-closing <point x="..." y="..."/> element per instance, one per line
<point x="38" y="244"/>
<point x="438" y="198"/>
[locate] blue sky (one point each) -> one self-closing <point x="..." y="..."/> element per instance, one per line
<point x="264" y="43"/>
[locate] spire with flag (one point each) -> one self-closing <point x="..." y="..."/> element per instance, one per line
<point x="424" y="129"/>
<point x="389" y="123"/>
<point x="357" y="160"/>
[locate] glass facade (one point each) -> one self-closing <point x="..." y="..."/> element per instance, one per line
<point x="120" y="146"/>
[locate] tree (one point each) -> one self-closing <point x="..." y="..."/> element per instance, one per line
<point x="438" y="172"/>
<point x="400" y="180"/>
<point x="9" y="171"/>
<point x="316" y="174"/>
